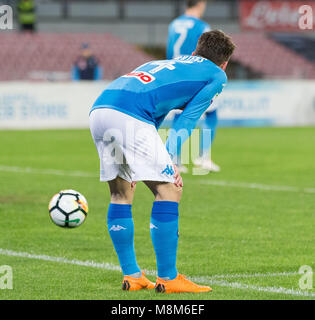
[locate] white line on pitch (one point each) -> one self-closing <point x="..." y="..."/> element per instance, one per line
<point x="106" y="266"/>
<point x="206" y="280"/>
<point x="55" y="172"/>
<point x="256" y="186"/>
<point x="220" y="183"/>
<point x="238" y="285"/>
<point x="253" y="275"/>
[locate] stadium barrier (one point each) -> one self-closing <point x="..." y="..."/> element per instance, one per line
<point x="25" y="105"/>
<point x="267" y="103"/>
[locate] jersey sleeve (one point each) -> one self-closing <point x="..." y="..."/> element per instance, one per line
<point x="188" y="119"/>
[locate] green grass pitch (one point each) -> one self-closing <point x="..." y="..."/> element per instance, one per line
<point x="245" y="231"/>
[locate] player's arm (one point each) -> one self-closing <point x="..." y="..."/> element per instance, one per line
<point x="188" y="119"/>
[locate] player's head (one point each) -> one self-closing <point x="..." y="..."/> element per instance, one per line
<point x="216" y="46"/>
<point x="85" y="50"/>
<point x="197" y="6"/>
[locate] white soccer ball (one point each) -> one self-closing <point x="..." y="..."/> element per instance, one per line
<point x="68" y="208"/>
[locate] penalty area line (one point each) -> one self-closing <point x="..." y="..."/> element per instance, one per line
<point x="211" y="280"/>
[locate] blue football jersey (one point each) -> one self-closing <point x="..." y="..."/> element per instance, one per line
<point x="152" y="90"/>
<point x="183" y="35"/>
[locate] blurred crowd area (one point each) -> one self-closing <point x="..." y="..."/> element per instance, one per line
<point x="161" y="10"/>
<point x="56" y="39"/>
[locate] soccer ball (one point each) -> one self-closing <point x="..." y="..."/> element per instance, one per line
<point x="68" y="208"/>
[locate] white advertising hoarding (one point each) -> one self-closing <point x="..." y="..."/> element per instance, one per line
<point x="25" y="105"/>
<point x="267" y="103"/>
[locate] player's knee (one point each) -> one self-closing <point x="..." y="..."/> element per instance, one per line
<point x="121" y="191"/>
<point x="169" y="193"/>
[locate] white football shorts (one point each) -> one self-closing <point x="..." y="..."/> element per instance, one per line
<point x="129" y="148"/>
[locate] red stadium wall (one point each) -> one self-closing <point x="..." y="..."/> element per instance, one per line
<point x="35" y="56"/>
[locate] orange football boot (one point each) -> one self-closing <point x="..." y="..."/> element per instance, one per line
<point x="133" y="284"/>
<point x="179" y="284"/>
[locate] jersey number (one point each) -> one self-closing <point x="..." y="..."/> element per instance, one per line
<point x="182" y="30"/>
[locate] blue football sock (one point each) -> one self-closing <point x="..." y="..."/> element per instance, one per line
<point x="121" y="230"/>
<point x="164" y="234"/>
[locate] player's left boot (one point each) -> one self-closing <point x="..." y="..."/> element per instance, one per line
<point x="133" y="284"/>
<point x="178" y="285"/>
<point x="207" y="164"/>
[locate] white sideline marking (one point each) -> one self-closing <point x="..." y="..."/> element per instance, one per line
<point x="256" y="186"/>
<point x="243" y="286"/>
<point x="106" y="266"/>
<point x="220" y="183"/>
<point x="254" y="275"/>
<point x="48" y="171"/>
<point x="206" y="280"/>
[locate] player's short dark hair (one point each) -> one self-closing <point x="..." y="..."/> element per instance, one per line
<point x="216" y="46"/>
<point x="193" y="3"/>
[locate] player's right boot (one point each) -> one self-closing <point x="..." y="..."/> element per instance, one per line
<point x="133" y="284"/>
<point x="179" y="284"/>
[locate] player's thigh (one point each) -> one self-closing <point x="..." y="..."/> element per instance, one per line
<point x="147" y="156"/>
<point x="121" y="191"/>
<point x="165" y="191"/>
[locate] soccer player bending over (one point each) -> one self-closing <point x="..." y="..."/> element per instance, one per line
<point x="124" y="122"/>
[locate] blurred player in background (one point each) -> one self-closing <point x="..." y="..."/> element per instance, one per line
<point x="183" y="36"/>
<point x="86" y="67"/>
<point x="124" y="121"/>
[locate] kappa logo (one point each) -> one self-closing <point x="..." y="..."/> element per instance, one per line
<point x="152" y="226"/>
<point x="117" y="228"/>
<point x="168" y="170"/>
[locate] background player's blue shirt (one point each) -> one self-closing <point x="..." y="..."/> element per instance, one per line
<point x="183" y="35"/>
<point x="151" y="91"/>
